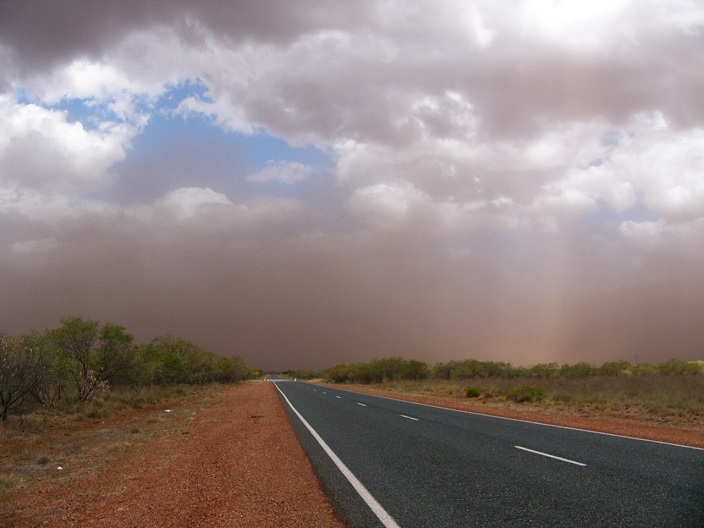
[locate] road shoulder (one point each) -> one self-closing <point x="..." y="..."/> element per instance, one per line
<point x="234" y="461"/>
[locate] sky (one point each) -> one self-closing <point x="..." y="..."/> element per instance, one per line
<point x="308" y="183"/>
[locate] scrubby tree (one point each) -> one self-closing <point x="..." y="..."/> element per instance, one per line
<point x="364" y="373"/>
<point x="614" y="368"/>
<point x="225" y="370"/>
<point x="22" y="368"/>
<point x="697" y="366"/>
<point x="388" y="369"/>
<point x="338" y="374"/>
<point x="115" y="356"/>
<point x="164" y="364"/>
<point x="542" y="370"/>
<point x="76" y="339"/>
<point x="470" y="368"/>
<point x="55" y="381"/>
<point x="675" y="366"/>
<point x="643" y="369"/>
<point x="168" y="360"/>
<point x="231" y="369"/>
<point x="413" y="370"/>
<point x="97" y="355"/>
<point x="578" y="370"/>
<point x="184" y="361"/>
<point x="443" y="370"/>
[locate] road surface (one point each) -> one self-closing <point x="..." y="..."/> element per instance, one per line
<point x="391" y="463"/>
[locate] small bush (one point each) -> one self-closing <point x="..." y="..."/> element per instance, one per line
<point x="526" y="393"/>
<point x="473" y="391"/>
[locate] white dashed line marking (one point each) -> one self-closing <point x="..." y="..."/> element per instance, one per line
<point x="551" y="456"/>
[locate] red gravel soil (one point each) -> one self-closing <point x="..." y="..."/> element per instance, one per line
<point x="234" y="463"/>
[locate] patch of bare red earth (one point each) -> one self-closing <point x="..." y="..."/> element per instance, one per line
<point x="237" y="463"/>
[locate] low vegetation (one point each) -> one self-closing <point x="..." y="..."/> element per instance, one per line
<point x="396" y="368"/>
<point x="525" y="393"/>
<point x="473" y="391"/>
<point x="83" y="364"/>
<point x="670" y="392"/>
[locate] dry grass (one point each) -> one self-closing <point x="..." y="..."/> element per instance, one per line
<point x="661" y="399"/>
<point x="80" y="438"/>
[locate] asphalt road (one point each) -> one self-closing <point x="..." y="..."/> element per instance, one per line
<point x="426" y="466"/>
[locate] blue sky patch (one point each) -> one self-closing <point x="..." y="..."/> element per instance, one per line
<point x="175" y="149"/>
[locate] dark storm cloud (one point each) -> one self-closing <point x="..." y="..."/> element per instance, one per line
<point x="509" y="181"/>
<point x="46" y="33"/>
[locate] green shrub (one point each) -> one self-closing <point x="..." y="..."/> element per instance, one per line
<point x="473" y="391"/>
<point x="526" y="393"/>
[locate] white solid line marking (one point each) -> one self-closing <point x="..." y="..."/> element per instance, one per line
<point x="551" y="456"/>
<point x="367" y="497"/>
<point x="362" y="404"/>
<point x="409" y="417"/>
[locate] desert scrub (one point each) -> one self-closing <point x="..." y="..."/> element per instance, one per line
<point x="526" y="393"/>
<point x="473" y="391"/>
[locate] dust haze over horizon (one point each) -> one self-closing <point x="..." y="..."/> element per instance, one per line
<point x="304" y="184"/>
